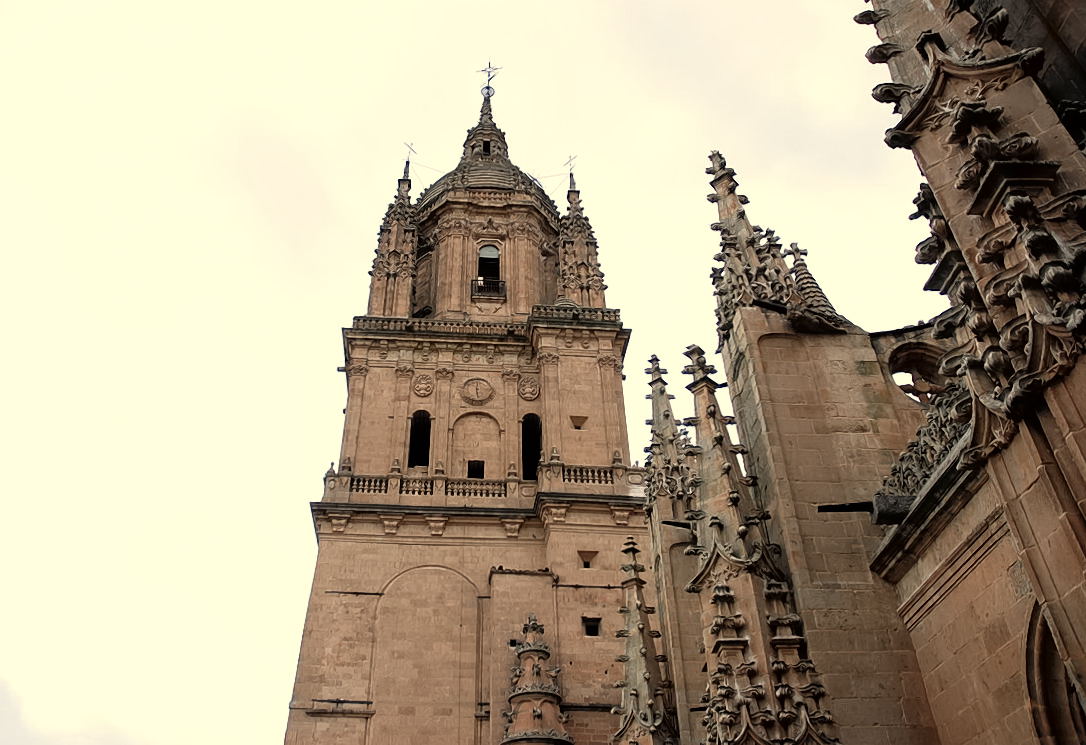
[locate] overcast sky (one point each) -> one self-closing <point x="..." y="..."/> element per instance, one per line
<point x="189" y="197"/>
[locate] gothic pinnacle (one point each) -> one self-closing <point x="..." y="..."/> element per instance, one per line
<point x="579" y="267"/>
<point x="647" y="709"/>
<point x="754" y="271"/>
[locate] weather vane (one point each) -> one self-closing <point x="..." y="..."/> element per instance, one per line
<point x="410" y="150"/>
<point x="569" y="163"/>
<point x="490" y="71"/>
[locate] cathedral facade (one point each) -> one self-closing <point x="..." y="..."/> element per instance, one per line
<point x="874" y="538"/>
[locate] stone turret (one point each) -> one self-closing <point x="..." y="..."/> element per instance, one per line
<point x="535" y="716"/>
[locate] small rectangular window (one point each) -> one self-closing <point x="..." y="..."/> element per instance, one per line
<point x="476" y="469"/>
<point x="591" y="626"/>
<point x="486" y="147"/>
<point x="587" y="557"/>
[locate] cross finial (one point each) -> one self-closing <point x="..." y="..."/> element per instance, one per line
<point x="490" y="72"/>
<point x="795" y="252"/>
<point x="630" y="549"/>
<point x="654" y="368"/>
<point x="698" y="366"/>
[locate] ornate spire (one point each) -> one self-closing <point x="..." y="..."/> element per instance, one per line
<point x="647" y="711"/>
<point x="485" y="140"/>
<point x="670" y="465"/>
<point x="534" y="716"/>
<point x="401" y="210"/>
<point x="754" y="271"/>
<point x="581" y="276"/>
<point x="394" y="259"/>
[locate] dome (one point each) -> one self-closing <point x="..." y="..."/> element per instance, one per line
<point x="485" y="165"/>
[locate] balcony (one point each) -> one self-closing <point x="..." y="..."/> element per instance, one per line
<point x="492" y="288"/>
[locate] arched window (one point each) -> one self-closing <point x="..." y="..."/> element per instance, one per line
<point x="489" y="263"/>
<point x="531" y="446"/>
<point x="1058" y="715"/>
<point x="418" y="451"/>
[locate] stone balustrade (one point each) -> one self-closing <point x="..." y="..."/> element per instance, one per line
<point x="369" y="485"/>
<point x="474" y="488"/>
<point x="574" y="313"/>
<point x="588" y="474"/>
<point x="554" y="476"/>
<point x="475" y="328"/>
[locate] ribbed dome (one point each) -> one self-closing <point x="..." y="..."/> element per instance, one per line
<point x="485" y="164"/>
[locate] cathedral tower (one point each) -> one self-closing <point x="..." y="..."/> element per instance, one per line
<point x="484" y="476"/>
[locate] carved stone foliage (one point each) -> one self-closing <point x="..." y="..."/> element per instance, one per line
<point x="753" y="269"/>
<point x="393" y="263"/>
<point x="945" y="423"/>
<point x="1018" y="293"/>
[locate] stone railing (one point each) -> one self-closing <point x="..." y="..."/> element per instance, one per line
<point x="945" y="423"/>
<point x="419" y="486"/>
<point x="416" y="486"/>
<point x="478" y="328"/>
<point x="573" y="313"/>
<point x="474" y="488"/>
<point x="369" y="485"/>
<point x="588" y="475"/>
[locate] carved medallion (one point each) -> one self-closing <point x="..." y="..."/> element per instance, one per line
<point x="477" y="391"/>
<point x="528" y="388"/>
<point x="424" y="385"/>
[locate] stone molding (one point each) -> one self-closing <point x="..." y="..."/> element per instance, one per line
<point x="956" y="567"/>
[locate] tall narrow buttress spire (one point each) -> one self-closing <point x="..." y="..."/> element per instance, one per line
<point x="754" y="270"/>
<point x="646" y="712"/>
<point x="581" y="275"/>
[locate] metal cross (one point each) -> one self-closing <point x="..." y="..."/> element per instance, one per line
<point x="490" y="71"/>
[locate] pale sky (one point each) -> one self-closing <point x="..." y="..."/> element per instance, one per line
<point x="189" y="198"/>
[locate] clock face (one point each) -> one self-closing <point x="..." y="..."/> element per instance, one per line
<point x="477" y="391"/>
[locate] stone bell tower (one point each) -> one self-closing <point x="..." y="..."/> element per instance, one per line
<point x="484" y="475"/>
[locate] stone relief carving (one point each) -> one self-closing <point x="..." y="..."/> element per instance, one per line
<point x="1018" y="311"/>
<point x="424" y="385"/>
<point x="528" y="388"/>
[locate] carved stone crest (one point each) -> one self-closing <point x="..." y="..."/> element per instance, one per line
<point x="424" y="385"/>
<point x="528" y="388"/>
